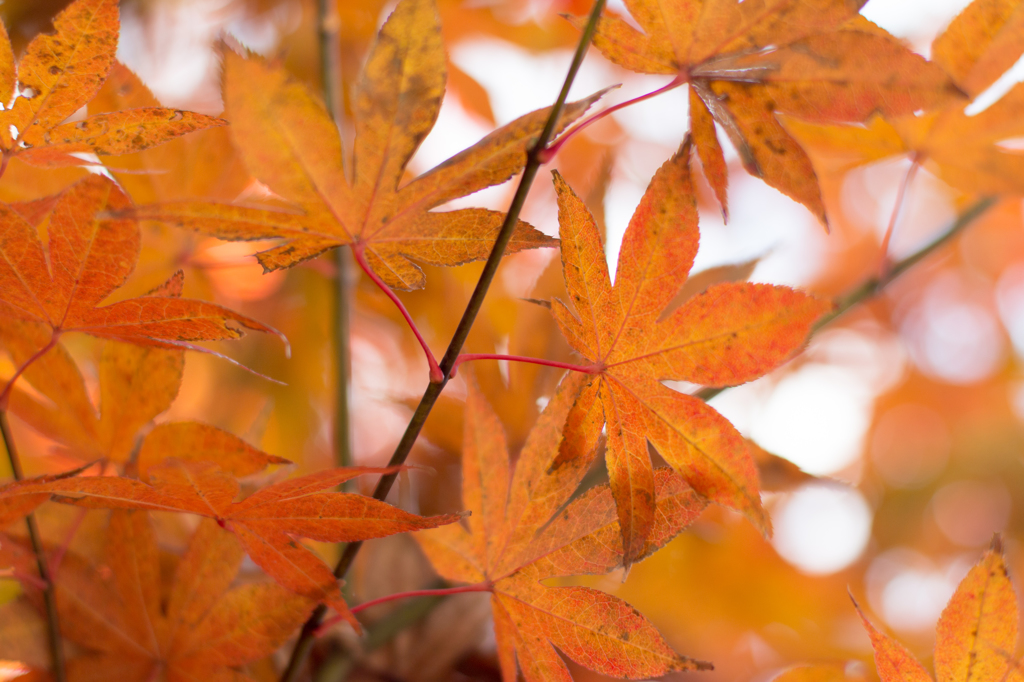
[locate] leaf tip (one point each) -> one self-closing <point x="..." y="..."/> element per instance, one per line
<point x="860" y="612"/>
<point x="537" y="301"/>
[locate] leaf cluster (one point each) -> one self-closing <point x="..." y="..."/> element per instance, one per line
<point x="773" y="75"/>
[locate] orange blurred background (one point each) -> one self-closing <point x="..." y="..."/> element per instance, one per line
<point x="910" y="408"/>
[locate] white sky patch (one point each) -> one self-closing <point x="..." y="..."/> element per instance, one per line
<point x="1003" y="84"/>
<point x="454" y="131"/>
<point x="822" y="529"/>
<point x="869" y="197"/>
<point x="663" y="119"/>
<point x="519" y="81"/>
<point x="817" y="418"/>
<point x="918" y="21"/>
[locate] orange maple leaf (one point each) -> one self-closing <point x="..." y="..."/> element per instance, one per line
<point x="265" y="522"/>
<point x="729" y="334"/>
<point x="58" y="288"/>
<point x="136" y="384"/>
<point x="290" y="143"/>
<point x="976" y="634"/>
<point x="59" y="74"/>
<point x="15" y="505"/>
<point x="961" y="146"/>
<point x="747" y="61"/>
<point x="521" y="532"/>
<point x="134" y="625"/>
<point x="201" y="164"/>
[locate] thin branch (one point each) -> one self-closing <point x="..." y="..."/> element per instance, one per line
<point x="342" y="360"/>
<point x="468" y="357"/>
<point x="438" y="592"/>
<point x="5" y="395"/>
<point x="430" y="396"/>
<point x="49" y="593"/>
<point x="435" y="371"/>
<point x="551" y="150"/>
<point x="340" y="665"/>
<point x="331" y="81"/>
<point x="873" y="285"/>
<point x="901" y="195"/>
<point x="477" y="587"/>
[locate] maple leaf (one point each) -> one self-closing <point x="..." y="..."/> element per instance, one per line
<point x="58" y="288"/>
<point x="264" y="522"/>
<point x="202" y="164"/>
<point x="59" y="74"/>
<point x="14" y="505"/>
<point x="961" y="146"/>
<point x="290" y="143"/>
<point x="136" y="625"/>
<point x="976" y="633"/>
<point x="136" y="384"/>
<point x="519" y="534"/>
<point x="729" y="334"/>
<point x="748" y="61"/>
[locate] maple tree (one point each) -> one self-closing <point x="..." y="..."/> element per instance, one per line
<point x="139" y="486"/>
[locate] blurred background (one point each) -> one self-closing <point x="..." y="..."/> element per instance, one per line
<point x="908" y="411"/>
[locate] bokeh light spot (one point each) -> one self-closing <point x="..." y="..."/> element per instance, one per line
<point x="909" y="590"/>
<point x="969" y="512"/>
<point x="816" y="418"/>
<point x="952" y="335"/>
<point x="822" y="529"/>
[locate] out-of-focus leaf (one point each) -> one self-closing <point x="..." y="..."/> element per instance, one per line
<point x="125" y="628"/>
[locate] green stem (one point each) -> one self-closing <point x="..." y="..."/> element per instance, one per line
<point x="330" y="79"/>
<point x="873" y="285"/>
<point x="342" y="360"/>
<point x="49" y="593"/>
<point x="430" y="396"/>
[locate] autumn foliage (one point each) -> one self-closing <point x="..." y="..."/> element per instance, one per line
<point x="182" y="508"/>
